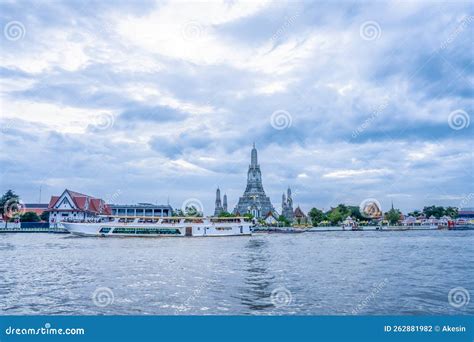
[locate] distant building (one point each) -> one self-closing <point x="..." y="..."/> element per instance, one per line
<point x="466" y="213"/>
<point x="254" y="200"/>
<point x="271" y="219"/>
<point x="218" y="204"/>
<point x="76" y="206"/>
<point x="141" y="209"/>
<point x="224" y="203"/>
<point x="38" y="208"/>
<point x="287" y="206"/>
<point x="300" y="217"/>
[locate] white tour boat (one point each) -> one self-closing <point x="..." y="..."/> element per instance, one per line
<point x="161" y="226"/>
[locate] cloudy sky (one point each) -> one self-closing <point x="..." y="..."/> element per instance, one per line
<point x="138" y="101"/>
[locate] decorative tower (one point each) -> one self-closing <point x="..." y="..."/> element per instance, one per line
<point x="287" y="206"/>
<point x="224" y="205"/>
<point x="254" y="200"/>
<point x="218" y="208"/>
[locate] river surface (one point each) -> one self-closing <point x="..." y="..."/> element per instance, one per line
<point x="322" y="273"/>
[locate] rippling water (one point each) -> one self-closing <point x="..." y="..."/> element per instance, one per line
<point x="328" y="273"/>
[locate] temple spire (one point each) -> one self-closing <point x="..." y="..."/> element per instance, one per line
<point x="254" y="161"/>
<point x="224" y="204"/>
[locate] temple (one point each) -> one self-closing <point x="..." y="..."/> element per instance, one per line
<point x="254" y="200"/>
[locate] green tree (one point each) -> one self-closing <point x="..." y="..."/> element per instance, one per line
<point x="178" y="212"/>
<point x="225" y="214"/>
<point x="451" y="212"/>
<point x="30" y="216"/>
<point x="338" y="214"/>
<point x="393" y="216"/>
<point x="355" y="212"/>
<point x="433" y="211"/>
<point x="9" y="205"/>
<point x="316" y="216"/>
<point x="335" y="216"/>
<point x="415" y="213"/>
<point x="192" y="211"/>
<point x="283" y="220"/>
<point x="44" y="216"/>
<point x="248" y="215"/>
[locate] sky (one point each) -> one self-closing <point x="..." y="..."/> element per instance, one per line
<point x="143" y="101"/>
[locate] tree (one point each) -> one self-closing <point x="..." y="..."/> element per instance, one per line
<point x="354" y="212"/>
<point x="9" y="205"/>
<point x="338" y="214"/>
<point x="393" y="216"/>
<point x="433" y="211"/>
<point x="335" y="216"/>
<point x="177" y="212"/>
<point x="248" y="215"/>
<point x="316" y="216"/>
<point x="44" y="216"/>
<point x="451" y="212"/>
<point x="283" y="220"/>
<point x="192" y="211"/>
<point x="225" y="214"/>
<point x="29" y="216"/>
<point x="414" y="213"/>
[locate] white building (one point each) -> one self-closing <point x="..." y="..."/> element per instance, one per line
<point x="76" y="206"/>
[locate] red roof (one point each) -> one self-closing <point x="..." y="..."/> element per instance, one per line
<point x="84" y="203"/>
<point x="52" y="201"/>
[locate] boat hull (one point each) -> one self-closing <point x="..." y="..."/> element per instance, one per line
<point x="106" y="230"/>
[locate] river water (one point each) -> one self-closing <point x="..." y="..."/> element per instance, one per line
<point x="321" y="273"/>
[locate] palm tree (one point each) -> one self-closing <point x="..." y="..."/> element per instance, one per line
<point x="8" y="202"/>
